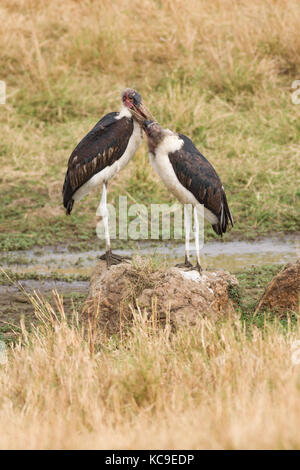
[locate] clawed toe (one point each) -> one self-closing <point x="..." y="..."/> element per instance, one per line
<point x="113" y="259"/>
<point x="186" y="265"/>
<point x="117" y="259"/>
<point x="198" y="268"/>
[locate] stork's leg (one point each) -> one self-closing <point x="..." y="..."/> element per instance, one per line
<point x="102" y="211"/>
<point x="187" y="230"/>
<point x="198" y="265"/>
<point x="111" y="258"/>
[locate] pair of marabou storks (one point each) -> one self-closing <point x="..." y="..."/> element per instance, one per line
<point x="109" y="146"/>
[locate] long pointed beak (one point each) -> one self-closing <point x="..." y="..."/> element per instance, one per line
<point x="145" y="124"/>
<point x="141" y="112"/>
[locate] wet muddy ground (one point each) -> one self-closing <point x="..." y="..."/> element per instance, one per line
<point x="59" y="263"/>
<point x="14" y="304"/>
<point x="231" y="256"/>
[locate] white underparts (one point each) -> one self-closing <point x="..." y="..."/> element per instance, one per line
<point x="163" y="167"/>
<point x="110" y="171"/>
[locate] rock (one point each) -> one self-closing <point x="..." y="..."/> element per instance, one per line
<point x="179" y="295"/>
<point x="282" y="293"/>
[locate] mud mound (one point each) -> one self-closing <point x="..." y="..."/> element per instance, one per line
<point x="175" y="294"/>
<point x="282" y="293"/>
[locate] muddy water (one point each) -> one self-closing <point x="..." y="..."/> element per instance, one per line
<point x="14" y="303"/>
<point x="233" y="256"/>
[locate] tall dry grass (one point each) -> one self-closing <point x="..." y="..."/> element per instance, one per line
<point x="213" y="386"/>
<point x="219" y="72"/>
<point x="42" y="40"/>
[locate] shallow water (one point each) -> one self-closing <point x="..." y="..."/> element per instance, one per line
<point x="232" y="256"/>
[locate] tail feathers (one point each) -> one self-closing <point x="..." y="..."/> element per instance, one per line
<point x="224" y="218"/>
<point x="67" y="191"/>
<point x="69" y="206"/>
<point x="217" y="229"/>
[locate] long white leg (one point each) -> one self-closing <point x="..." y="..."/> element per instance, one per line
<point x="197" y="238"/>
<point x="187" y="229"/>
<point x="102" y="211"/>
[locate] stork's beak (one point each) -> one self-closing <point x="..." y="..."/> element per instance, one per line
<point x="141" y="112"/>
<point x="146" y="124"/>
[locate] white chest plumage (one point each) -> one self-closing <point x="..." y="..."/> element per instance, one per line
<point x="163" y="167"/>
<point x="110" y="171"/>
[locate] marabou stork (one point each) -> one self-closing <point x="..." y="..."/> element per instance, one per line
<point x="102" y="153"/>
<point x="191" y="178"/>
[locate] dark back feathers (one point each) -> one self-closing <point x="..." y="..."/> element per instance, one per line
<point x="101" y="147"/>
<point x="196" y="173"/>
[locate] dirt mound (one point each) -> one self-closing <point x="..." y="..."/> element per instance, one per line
<point x="179" y="295"/>
<point x="282" y="293"/>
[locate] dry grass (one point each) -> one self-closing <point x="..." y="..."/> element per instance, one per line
<point x="220" y="72"/>
<point x="213" y="386"/>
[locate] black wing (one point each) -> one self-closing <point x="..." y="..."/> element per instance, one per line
<point x="196" y="173"/>
<point x="101" y="147"/>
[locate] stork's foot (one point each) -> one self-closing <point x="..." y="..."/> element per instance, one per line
<point x="198" y="268"/>
<point x="113" y="259"/>
<point x="186" y="265"/>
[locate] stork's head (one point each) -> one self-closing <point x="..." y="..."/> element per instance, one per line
<point x="154" y="133"/>
<point x="133" y="101"/>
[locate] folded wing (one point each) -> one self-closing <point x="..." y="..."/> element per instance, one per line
<point x="197" y="175"/>
<point x="100" y="148"/>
